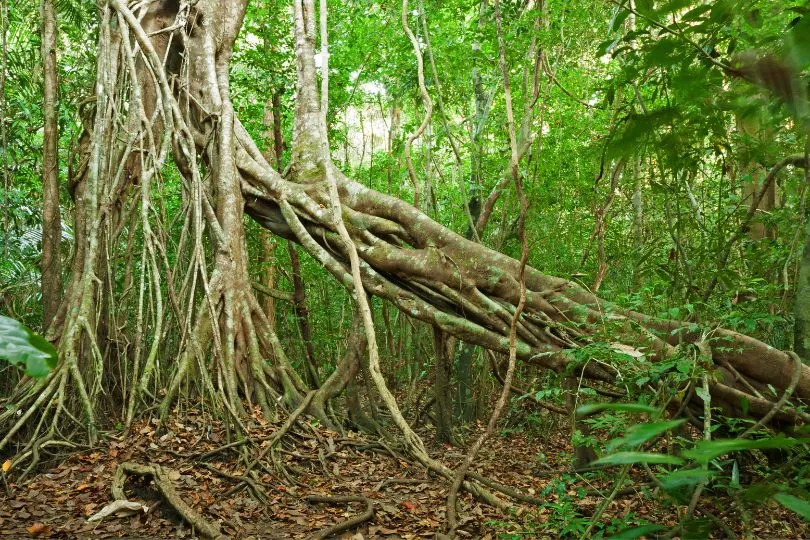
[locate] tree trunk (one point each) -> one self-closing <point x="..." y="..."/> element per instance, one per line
<point x="268" y="244"/>
<point x="753" y="173"/>
<point x="638" y="219"/>
<point x="302" y="315"/>
<point x="801" y="309"/>
<point x="443" y="403"/>
<point x="51" y="221"/>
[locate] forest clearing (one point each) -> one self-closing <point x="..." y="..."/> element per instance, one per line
<point x="430" y="269"/>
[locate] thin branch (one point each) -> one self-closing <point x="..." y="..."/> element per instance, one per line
<point x="428" y="104"/>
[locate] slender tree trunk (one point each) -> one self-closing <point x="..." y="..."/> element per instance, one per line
<point x="638" y="218"/>
<point x="51" y="220"/>
<point x="465" y="352"/>
<point x="278" y="138"/>
<point x="302" y="314"/>
<point x="583" y="453"/>
<point x="753" y="173"/>
<point x="444" y="402"/>
<point x="801" y="309"/>
<point x="268" y="244"/>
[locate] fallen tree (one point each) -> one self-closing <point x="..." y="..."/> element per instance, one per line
<point x="163" y="91"/>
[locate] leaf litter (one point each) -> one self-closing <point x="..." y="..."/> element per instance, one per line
<point x="73" y="498"/>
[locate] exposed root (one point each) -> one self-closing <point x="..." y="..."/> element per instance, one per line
<point x="350" y="523"/>
<point x="277" y="436"/>
<point x="161" y="477"/>
<point x="256" y="490"/>
<point x="782" y="400"/>
<point x="506" y="490"/>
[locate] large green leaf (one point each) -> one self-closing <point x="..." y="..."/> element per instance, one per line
<point x="687" y="477"/>
<point x="641" y="433"/>
<point x="637" y="532"/>
<point x="800" y="506"/>
<point x="706" y="451"/>
<point x="21" y="346"/>
<point x="798" y="42"/>
<point x="626" y="458"/>
<point x="591" y="408"/>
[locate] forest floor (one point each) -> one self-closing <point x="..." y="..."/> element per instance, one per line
<point x="408" y="503"/>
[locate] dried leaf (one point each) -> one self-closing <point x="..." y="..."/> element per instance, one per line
<point x="626" y="349"/>
<point x="382" y="530"/>
<point x="37" y="529"/>
<point x="118" y="508"/>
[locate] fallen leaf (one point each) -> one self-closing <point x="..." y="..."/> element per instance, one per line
<point x="626" y="349"/>
<point x="382" y="530"/>
<point x="37" y="529"/>
<point x="118" y="508"/>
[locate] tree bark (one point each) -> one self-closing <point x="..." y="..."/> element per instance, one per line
<point x="443" y="403"/>
<point x="51" y="219"/>
<point x="801" y="303"/>
<point x="302" y="315"/>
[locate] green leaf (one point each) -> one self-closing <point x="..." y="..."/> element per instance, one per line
<point x="705" y="451"/>
<point x="684" y="366"/>
<point x="689" y="477"/>
<point x="625" y="458"/>
<point x="721" y="11"/>
<point x="696" y="13"/>
<point x="637" y="532"/>
<point x="798" y="42"/>
<point x="645" y="7"/>
<point x="662" y="53"/>
<point x="618" y="19"/>
<point x="800" y="506"/>
<point x="735" y="475"/>
<point x="606" y="46"/>
<point x="641" y="433"/>
<point x="21" y="346"/>
<point x="672" y="6"/>
<point x="591" y="408"/>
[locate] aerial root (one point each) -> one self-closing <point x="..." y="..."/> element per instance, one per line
<point x="347" y="524"/>
<point x="46" y="410"/>
<point x="162" y="479"/>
